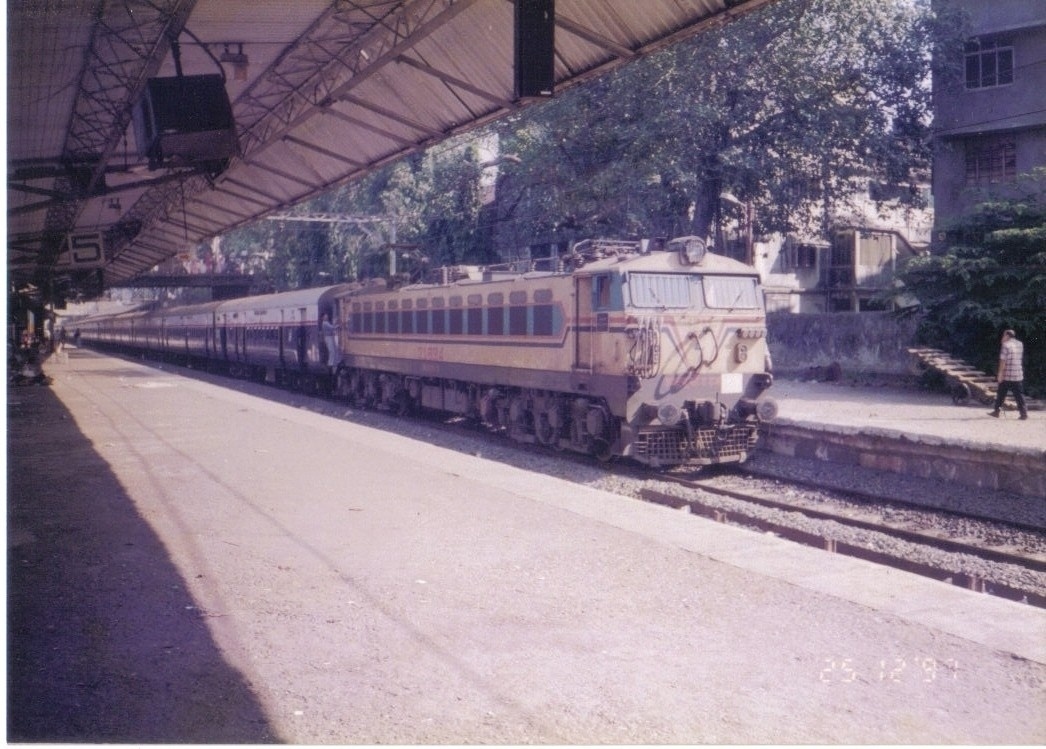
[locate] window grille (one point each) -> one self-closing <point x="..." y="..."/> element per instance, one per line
<point x="990" y="160"/>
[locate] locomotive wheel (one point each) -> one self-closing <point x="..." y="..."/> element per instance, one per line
<point x="601" y="449"/>
<point x="402" y="404"/>
<point x="544" y="430"/>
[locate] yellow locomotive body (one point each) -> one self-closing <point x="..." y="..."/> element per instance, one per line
<point x="659" y="356"/>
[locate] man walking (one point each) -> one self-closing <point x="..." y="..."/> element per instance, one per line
<point x="1011" y="373"/>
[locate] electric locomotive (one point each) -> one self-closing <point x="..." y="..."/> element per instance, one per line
<point x="660" y="356"/>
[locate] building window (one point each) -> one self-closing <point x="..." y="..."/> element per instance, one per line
<point x="990" y="160"/>
<point x="988" y="63"/>
<point x="796" y="256"/>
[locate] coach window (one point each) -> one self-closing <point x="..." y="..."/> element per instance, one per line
<point x="368" y="317"/>
<point x="379" y="317"/>
<point x="406" y="316"/>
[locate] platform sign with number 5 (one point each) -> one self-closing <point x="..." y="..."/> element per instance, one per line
<point x="82" y="251"/>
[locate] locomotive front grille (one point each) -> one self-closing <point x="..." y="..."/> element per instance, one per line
<point x="672" y="446"/>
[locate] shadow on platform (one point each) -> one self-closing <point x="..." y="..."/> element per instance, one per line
<point x="105" y="643"/>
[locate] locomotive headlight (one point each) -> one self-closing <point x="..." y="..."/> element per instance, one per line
<point x="741" y="353"/>
<point x="766" y="409"/>
<point x="691" y="249"/>
<point x="668" y="414"/>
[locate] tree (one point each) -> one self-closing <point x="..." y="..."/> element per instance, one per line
<point x="782" y="108"/>
<point x="991" y="279"/>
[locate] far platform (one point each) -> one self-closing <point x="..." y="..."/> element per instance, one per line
<point x="912" y="432"/>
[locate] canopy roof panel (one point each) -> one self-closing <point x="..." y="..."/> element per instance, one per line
<point x="330" y="90"/>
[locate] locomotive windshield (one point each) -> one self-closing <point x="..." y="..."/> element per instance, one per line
<point x="660" y="290"/>
<point x="684" y="291"/>
<point x="730" y="292"/>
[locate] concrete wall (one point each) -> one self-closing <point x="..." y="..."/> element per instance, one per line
<point x="865" y="345"/>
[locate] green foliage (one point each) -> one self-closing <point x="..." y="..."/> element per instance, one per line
<point x="993" y="277"/>
<point x="781" y="108"/>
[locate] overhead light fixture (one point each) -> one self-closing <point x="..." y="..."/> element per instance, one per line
<point x="238" y="60"/>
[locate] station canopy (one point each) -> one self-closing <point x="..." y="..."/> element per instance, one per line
<point x="115" y="166"/>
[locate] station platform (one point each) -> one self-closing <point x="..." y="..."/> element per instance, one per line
<point x="912" y="432"/>
<point x="192" y="563"/>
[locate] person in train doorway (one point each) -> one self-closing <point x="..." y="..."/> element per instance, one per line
<point x="330" y="340"/>
<point x="1011" y="374"/>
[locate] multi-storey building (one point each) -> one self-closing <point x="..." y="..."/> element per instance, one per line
<point x="989" y="104"/>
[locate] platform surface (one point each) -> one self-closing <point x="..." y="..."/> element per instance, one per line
<point x="889" y="410"/>
<point x="192" y="563"/>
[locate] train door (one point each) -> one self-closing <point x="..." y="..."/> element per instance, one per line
<point x="282" y="326"/>
<point x="223" y="335"/>
<point x="208" y="337"/>
<point x="303" y="339"/>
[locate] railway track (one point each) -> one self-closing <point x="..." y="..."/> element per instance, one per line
<point x="920" y="526"/>
<point x="867" y="517"/>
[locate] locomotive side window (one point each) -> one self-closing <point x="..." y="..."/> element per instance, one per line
<point x="659" y="290"/>
<point x="730" y="292"/>
<point x="543" y="319"/>
<point x="495" y="320"/>
<point x="475" y="321"/>
<point x="496" y="314"/>
<point x="601" y="292"/>
<point x="457" y="321"/>
<point x="517" y="320"/>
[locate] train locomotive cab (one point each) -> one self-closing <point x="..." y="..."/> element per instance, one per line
<point x="693" y="350"/>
